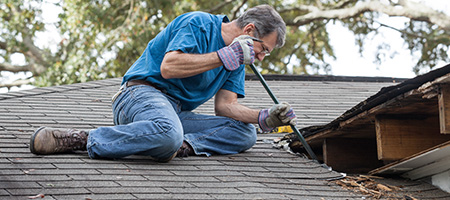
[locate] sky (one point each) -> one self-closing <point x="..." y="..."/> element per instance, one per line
<point x="348" y="60"/>
<point x="350" y="63"/>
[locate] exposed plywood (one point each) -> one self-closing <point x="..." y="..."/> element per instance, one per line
<point x="444" y="109"/>
<point x="400" y="136"/>
<point x="356" y="156"/>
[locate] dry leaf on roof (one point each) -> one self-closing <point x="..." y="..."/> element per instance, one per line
<point x="37" y="196"/>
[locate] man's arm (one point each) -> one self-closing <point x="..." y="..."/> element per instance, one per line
<point x="279" y="114"/>
<point x="226" y="104"/>
<point x="177" y="64"/>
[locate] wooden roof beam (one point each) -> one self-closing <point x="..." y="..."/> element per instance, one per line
<point x="444" y="108"/>
<point x="399" y="136"/>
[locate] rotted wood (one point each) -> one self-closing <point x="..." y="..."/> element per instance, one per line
<point x="410" y="103"/>
<point x="399" y="136"/>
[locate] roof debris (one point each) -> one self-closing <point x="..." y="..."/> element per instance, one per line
<point x="368" y="185"/>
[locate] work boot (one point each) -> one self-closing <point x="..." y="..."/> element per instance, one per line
<point x="185" y="150"/>
<point x="56" y="140"/>
<point x="165" y="159"/>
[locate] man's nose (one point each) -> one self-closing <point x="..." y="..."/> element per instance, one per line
<point x="260" y="56"/>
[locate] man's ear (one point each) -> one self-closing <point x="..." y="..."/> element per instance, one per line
<point x="249" y="28"/>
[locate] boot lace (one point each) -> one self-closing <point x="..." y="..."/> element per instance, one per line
<point x="73" y="140"/>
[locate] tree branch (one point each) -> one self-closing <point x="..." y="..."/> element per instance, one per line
<point x="16" y="83"/>
<point x="398" y="30"/>
<point x="237" y="8"/>
<point x="15" y="68"/>
<point x="304" y="8"/>
<point x="219" y="6"/>
<point x="413" y="10"/>
<point x="342" y="4"/>
<point x="3" y="45"/>
<point x="32" y="51"/>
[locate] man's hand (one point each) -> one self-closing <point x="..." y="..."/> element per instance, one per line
<point x="239" y="52"/>
<point x="278" y="115"/>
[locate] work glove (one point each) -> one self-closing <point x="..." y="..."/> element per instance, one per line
<point x="278" y="115"/>
<point x="239" y="52"/>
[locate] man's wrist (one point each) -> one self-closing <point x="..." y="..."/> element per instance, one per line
<point x="263" y="115"/>
<point x="228" y="58"/>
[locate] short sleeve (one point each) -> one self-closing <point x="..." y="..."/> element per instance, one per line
<point x="236" y="82"/>
<point x="188" y="39"/>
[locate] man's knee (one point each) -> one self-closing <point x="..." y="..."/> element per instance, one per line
<point x="163" y="137"/>
<point x="173" y="137"/>
<point x="174" y="140"/>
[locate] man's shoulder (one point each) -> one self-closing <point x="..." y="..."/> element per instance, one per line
<point x="202" y="17"/>
<point x="197" y="14"/>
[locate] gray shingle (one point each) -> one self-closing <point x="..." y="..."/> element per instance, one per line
<point x="168" y="195"/>
<point x="256" y="196"/>
<point x="266" y="190"/>
<point x="37" y="160"/>
<point x="94" y="196"/>
<point x="91" y="166"/>
<point x="3" y="192"/>
<point x="236" y="184"/>
<point x="77" y="184"/>
<point x="27" y="166"/>
<point x="18" y="184"/>
<point x="113" y="177"/>
<point x="127" y="190"/>
<point x="192" y="179"/>
<point x="221" y="190"/>
<point x="164" y="184"/>
<point x="207" y="173"/>
<point x="48" y="191"/>
<point x="264" y="180"/>
<point x="170" y="167"/>
<point x="61" y="171"/>
<point x="27" y="177"/>
<point x="146" y="172"/>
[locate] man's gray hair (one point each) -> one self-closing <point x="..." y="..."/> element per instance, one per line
<point x="266" y="20"/>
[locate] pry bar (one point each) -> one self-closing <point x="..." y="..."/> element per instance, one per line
<point x="275" y="100"/>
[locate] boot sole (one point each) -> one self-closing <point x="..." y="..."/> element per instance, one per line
<point x="166" y="159"/>
<point x="32" y="140"/>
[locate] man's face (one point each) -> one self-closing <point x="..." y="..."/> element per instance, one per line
<point x="263" y="49"/>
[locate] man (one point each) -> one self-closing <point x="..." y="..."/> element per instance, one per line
<point x="197" y="56"/>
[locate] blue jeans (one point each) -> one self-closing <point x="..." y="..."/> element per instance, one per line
<point x="150" y="122"/>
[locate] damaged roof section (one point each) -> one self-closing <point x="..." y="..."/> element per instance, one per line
<point x="403" y="129"/>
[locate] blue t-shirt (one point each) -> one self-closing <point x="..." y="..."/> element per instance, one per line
<point x="197" y="33"/>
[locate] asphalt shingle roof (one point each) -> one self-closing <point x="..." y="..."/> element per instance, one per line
<point x="262" y="172"/>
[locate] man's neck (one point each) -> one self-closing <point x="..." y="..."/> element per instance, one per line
<point x="230" y="31"/>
